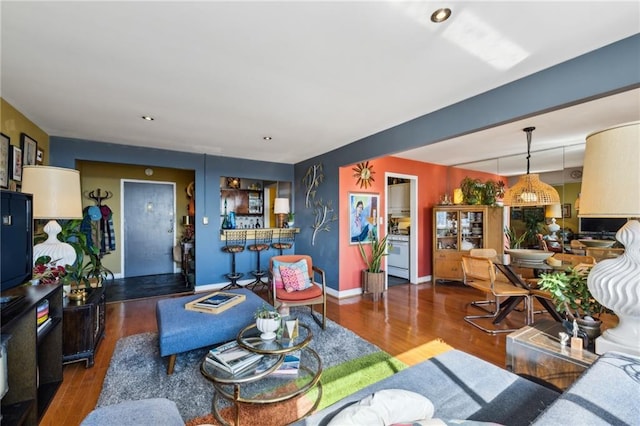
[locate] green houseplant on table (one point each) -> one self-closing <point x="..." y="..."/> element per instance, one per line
<point x="373" y="275"/>
<point x="88" y="269"/>
<point x="267" y="321"/>
<point x="571" y="296"/>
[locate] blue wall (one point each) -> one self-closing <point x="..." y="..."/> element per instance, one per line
<point x="613" y="68"/>
<point x="211" y="262"/>
<point x="605" y="71"/>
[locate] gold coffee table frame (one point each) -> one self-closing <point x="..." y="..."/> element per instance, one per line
<point x="249" y="387"/>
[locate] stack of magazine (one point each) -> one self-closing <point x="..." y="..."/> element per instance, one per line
<point x="232" y="358"/>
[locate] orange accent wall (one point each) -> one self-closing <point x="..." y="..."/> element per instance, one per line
<point x="433" y="182"/>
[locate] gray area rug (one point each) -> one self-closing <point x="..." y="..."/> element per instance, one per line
<point x="136" y="370"/>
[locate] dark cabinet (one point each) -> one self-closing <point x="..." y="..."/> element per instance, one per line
<point x="34" y="357"/>
<point x="83" y="328"/>
<point x="241" y="201"/>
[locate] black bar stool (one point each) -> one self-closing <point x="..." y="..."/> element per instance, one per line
<point x="264" y="237"/>
<point x="235" y="242"/>
<point x="285" y="240"/>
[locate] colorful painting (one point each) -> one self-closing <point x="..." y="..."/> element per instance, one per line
<point x="363" y="217"/>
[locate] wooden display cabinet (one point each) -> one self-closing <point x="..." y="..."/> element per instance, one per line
<point x="34" y="359"/>
<point x="458" y="229"/>
<point x="84" y="323"/>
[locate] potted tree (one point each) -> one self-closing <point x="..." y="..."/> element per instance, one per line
<point x="373" y="275"/>
<point x="571" y="296"/>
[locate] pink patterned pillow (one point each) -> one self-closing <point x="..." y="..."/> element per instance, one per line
<point x="295" y="277"/>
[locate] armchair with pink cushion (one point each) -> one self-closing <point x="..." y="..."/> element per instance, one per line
<point x="295" y="281"/>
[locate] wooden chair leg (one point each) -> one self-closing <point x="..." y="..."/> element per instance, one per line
<point x="171" y="364"/>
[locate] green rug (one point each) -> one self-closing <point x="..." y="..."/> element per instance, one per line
<point x="351" y="376"/>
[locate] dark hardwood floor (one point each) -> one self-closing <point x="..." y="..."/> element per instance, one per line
<point x="408" y="317"/>
<point x="122" y="289"/>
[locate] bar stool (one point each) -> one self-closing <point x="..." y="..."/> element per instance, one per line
<point x="285" y="240"/>
<point x="235" y="242"/>
<point x="263" y="241"/>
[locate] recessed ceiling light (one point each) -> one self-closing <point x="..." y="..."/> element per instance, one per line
<point x="440" y="15"/>
<point x="267" y="138"/>
<point x="147" y="117"/>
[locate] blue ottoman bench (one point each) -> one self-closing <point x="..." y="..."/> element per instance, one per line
<point x="181" y="330"/>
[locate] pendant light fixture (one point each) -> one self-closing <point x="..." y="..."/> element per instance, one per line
<point x="530" y="190"/>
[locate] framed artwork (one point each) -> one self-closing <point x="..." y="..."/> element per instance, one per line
<point x="29" y="150"/>
<point x="516" y="213"/>
<point x="15" y="163"/>
<point x="363" y="217"/>
<point x="5" y="142"/>
<point x="566" y="210"/>
<point x="39" y="156"/>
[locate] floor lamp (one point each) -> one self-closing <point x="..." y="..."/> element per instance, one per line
<point x="610" y="183"/>
<point x="56" y="195"/>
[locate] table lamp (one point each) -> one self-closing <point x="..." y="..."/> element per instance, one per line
<point x="551" y="212"/>
<point x="281" y="209"/>
<point x="610" y="183"/>
<point x="56" y="195"/>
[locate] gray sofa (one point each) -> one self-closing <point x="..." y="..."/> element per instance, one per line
<point x="461" y="386"/>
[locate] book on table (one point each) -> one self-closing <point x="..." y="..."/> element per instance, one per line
<point x="289" y="367"/>
<point x="215" y="303"/>
<point x="232" y="358"/>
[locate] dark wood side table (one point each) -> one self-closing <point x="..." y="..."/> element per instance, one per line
<point x="536" y="351"/>
<point x="83" y="326"/>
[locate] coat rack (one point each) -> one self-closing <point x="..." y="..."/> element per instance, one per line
<point x="97" y="195"/>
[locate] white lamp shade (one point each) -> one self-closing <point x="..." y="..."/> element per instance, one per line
<point x="56" y="192"/>
<point x="611" y="176"/>
<point x="281" y="206"/>
<point x="553" y="211"/>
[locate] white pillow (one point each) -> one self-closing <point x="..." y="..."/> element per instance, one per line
<point x="385" y="407"/>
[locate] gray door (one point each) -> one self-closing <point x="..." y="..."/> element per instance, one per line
<point x="148" y="228"/>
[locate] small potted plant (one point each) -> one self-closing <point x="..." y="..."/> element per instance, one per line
<point x="373" y="275"/>
<point x="267" y="321"/>
<point x="571" y="296"/>
<point x="290" y="219"/>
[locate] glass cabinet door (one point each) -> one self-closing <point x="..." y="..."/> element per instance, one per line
<point x="447" y="230"/>
<point x="472" y="229"/>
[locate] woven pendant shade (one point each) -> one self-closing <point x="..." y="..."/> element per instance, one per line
<point x="530" y="190"/>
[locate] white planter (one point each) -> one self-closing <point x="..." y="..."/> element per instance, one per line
<point x="268" y="327"/>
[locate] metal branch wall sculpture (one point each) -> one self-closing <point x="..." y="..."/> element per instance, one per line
<point x="324" y="215"/>
<point x="323" y="212"/>
<point x="312" y="179"/>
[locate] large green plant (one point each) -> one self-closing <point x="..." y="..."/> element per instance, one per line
<point x="373" y="259"/>
<point x="571" y="294"/>
<point x="88" y="263"/>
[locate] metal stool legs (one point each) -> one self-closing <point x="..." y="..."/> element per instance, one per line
<point x="235" y="242"/>
<point x="262" y="243"/>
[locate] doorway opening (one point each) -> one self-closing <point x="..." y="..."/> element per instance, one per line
<point x="402" y="227"/>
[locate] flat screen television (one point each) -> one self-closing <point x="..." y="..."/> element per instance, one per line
<point x="16" y="236"/>
<point x="601" y="226"/>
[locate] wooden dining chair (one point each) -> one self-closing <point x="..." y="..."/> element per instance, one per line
<point x="480" y="273"/>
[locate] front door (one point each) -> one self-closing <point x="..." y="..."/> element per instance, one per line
<point x="148" y="224"/>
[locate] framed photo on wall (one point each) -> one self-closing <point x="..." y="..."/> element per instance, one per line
<point x="363" y="217"/>
<point x="15" y="163"/>
<point x="5" y="142"/>
<point x="29" y="150"/>
<point x="566" y="210"/>
<point x="39" y="157"/>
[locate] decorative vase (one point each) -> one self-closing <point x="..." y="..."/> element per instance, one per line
<point x="268" y="327"/>
<point x="592" y="328"/>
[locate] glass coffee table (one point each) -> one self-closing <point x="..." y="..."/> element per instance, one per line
<point x="257" y="384"/>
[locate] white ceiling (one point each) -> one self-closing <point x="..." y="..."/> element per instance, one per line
<point x="219" y="76"/>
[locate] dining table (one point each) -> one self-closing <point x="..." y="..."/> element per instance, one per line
<point x="507" y="269"/>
